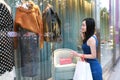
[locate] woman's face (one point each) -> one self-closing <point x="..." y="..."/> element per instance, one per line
<point x="83" y="28"/>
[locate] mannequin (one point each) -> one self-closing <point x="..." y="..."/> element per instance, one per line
<point x="7" y="67"/>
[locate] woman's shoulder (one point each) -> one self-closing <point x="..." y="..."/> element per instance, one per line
<point x="94" y="37"/>
<point x="92" y="40"/>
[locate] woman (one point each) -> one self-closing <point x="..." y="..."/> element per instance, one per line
<point x="89" y="46"/>
<point x="7" y="69"/>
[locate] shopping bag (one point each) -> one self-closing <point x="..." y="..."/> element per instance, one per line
<point x="82" y="71"/>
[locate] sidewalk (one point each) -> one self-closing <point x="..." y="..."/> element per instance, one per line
<point x="115" y="75"/>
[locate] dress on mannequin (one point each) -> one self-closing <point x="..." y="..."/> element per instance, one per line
<point x="7" y="68"/>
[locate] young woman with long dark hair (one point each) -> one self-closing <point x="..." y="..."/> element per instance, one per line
<point x="89" y="46"/>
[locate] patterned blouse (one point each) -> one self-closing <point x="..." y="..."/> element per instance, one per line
<point x="6" y="42"/>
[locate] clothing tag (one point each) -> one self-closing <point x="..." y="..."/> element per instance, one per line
<point x="12" y="34"/>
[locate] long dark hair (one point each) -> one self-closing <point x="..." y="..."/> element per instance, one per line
<point x="90" y="28"/>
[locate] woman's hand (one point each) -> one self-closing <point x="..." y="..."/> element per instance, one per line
<point x="74" y="53"/>
<point x="82" y="35"/>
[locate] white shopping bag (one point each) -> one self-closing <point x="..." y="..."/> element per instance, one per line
<point x="82" y="71"/>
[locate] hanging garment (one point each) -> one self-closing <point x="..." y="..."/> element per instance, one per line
<point x="29" y="51"/>
<point x="29" y="19"/>
<point x="6" y="44"/>
<point x="28" y="24"/>
<point x="51" y="25"/>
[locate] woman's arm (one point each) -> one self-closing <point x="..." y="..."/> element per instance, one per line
<point x="92" y="43"/>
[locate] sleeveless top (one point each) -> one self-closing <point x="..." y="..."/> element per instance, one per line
<point x="86" y="48"/>
<point x="94" y="63"/>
